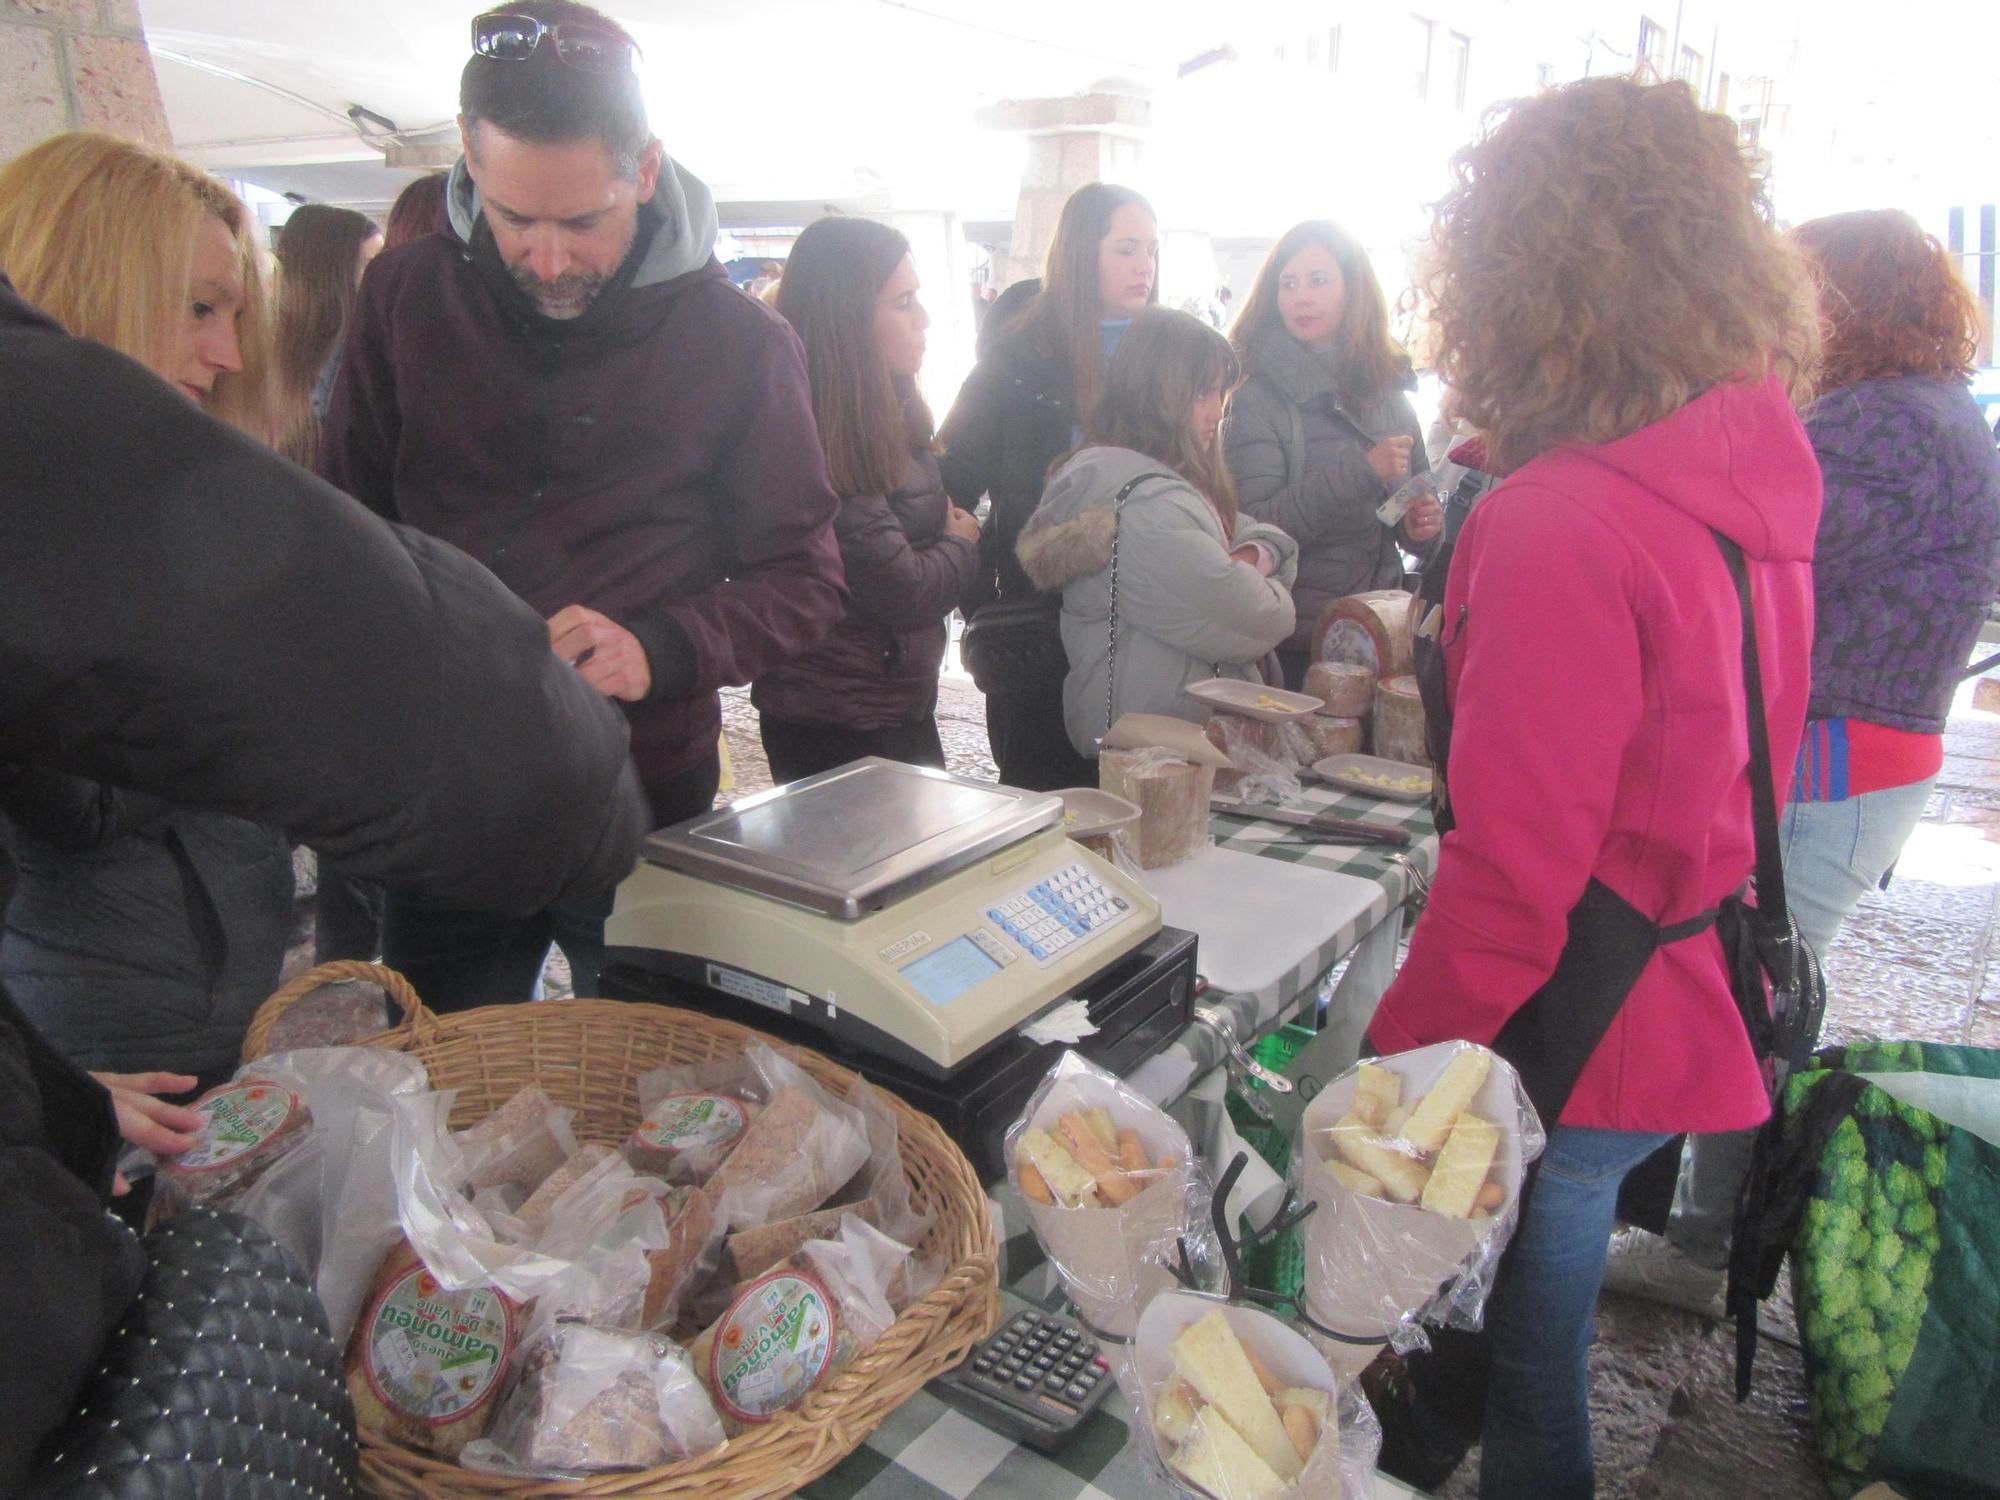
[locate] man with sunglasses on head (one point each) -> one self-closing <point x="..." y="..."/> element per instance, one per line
<point x="567" y="386"/>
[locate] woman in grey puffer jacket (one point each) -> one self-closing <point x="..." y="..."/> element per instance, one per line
<point x="1146" y="504"/>
<point x="1320" y="433"/>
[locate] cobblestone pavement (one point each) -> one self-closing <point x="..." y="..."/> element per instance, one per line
<point x="1919" y="961"/>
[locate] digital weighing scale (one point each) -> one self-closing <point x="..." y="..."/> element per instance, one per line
<point x="909" y="921"/>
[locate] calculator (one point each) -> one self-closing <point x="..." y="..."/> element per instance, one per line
<point x="1036" y="1380"/>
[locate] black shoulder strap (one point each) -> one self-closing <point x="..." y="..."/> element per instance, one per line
<point x="1763" y="799"/>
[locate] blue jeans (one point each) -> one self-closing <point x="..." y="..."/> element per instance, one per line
<point x="1536" y="1441"/>
<point x="1837" y="852"/>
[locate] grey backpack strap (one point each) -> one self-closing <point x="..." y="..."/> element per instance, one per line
<point x="1111" y="657"/>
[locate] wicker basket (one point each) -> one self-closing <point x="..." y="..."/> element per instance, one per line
<point x="588" y="1054"/>
<point x="256" y="1042"/>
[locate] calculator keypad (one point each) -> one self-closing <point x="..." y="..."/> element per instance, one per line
<point x="1040" y="1365"/>
<point x="1050" y="917"/>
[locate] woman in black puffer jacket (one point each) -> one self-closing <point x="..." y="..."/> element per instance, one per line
<point x="870" y="688"/>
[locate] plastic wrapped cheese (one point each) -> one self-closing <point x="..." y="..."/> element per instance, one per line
<point x="1171" y="794"/>
<point x="1370" y="630"/>
<point x="1346" y="688"/>
<point x="1399" y="722"/>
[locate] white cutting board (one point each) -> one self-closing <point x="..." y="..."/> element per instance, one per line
<point x="1257" y="918"/>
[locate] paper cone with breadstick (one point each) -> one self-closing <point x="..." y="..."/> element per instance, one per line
<point x="1233" y="1405"/>
<point x="1110" y="1183"/>
<point x="1416" y="1162"/>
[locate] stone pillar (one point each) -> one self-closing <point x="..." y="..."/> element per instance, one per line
<point x="1094" y="137"/>
<point x="76" y="65"/>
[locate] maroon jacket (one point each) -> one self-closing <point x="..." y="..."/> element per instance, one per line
<point x="879" y="668"/>
<point x="655" y="459"/>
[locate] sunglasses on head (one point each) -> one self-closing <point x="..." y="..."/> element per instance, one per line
<point x="507" y="37"/>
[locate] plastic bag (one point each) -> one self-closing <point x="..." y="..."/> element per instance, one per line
<point x="332" y="1202"/>
<point x="1374" y="1269"/>
<point x="794" y="1328"/>
<point x="518" y="1145"/>
<point x="251" y="1123"/>
<point x="692" y="1117"/>
<point x="801" y="1149"/>
<point x="1172" y="795"/>
<point x="584" y="1400"/>
<point x="1102" y="1253"/>
<point x="1262" y="769"/>
<point x="1339" y="1456"/>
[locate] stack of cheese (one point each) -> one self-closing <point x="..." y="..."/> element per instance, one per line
<point x="1224" y="1423"/>
<point x="1086" y="1161"/>
<point x="1435" y="1153"/>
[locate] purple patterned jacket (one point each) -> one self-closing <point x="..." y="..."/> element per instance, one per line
<point x="1908" y="553"/>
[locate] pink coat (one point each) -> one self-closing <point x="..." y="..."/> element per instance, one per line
<point x="1593" y="660"/>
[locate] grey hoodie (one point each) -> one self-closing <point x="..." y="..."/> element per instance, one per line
<point x="681" y="201"/>
<point x="1186" y="610"/>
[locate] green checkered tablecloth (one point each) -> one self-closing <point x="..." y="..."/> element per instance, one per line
<point x="927" y="1450"/>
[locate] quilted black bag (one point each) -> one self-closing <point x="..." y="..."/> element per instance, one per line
<point x="223" y="1381"/>
<point x="1014" y="644"/>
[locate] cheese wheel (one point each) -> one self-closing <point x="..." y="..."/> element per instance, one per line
<point x="1346" y="688"/>
<point x="1335" y="736"/>
<point x="1172" y="798"/>
<point x="1371" y="630"/>
<point x="1399" y="722"/>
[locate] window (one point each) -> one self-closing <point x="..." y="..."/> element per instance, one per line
<point x="1425" y="29"/>
<point x="1652" y="47"/>
<point x="1461" y="68"/>
<point x="1333" y="49"/>
<point x="1688" y="67"/>
<point x="1312" y="50"/>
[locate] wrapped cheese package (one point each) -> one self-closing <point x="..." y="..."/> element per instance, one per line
<point x="1230" y="1404"/>
<point x="1416" y="1163"/>
<point x="1369" y="630"/>
<point x="1346" y="688"/>
<point x="691" y="1117"/>
<point x="1172" y="797"/>
<point x="586" y="1400"/>
<point x="1399" y="722"/>
<point x="1112" y="1186"/>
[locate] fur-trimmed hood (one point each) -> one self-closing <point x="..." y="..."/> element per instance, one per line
<point x="1069" y="536"/>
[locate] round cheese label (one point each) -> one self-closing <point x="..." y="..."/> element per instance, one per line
<point x="238" y="1120"/>
<point x="773" y="1346"/>
<point x="435" y="1355"/>
<point x="677" y="1123"/>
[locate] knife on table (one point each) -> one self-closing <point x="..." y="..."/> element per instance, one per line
<point x="1327" y="823"/>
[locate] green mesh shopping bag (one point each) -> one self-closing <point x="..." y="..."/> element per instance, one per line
<point x="1896" y="1264"/>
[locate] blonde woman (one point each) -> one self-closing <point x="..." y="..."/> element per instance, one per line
<point x="141" y="935"/>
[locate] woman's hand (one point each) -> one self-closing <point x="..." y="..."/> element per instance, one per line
<point x="1390" y="459"/>
<point x="962" y="524"/>
<point x="145" y="1119"/>
<point x="1423" y="520"/>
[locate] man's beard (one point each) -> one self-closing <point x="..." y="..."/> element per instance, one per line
<point x="566" y="297"/>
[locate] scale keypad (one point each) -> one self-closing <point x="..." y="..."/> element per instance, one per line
<point x="1058" y="912"/>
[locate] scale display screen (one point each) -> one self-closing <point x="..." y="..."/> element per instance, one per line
<point x="943" y="976"/>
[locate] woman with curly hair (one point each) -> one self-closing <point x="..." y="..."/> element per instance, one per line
<point x="1615" y="312"/>
<point x="1321" y="430"/>
<point x="1908" y="554"/>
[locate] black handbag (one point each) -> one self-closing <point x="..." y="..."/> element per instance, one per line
<point x="223" y="1381"/>
<point x="1013" y="644"/>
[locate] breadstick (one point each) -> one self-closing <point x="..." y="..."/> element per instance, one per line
<point x="1034" y="1187"/>
<point x="1301" y="1429"/>
<point x="1131" y="1155"/>
<point x="1092" y="1157"/>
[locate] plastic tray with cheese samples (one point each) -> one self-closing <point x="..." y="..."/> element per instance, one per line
<point x="1103" y="1223"/>
<point x="1233" y="1405"/>
<point x="1254" y="700"/>
<point x="1373" y="776"/>
<point x="1416" y="1162"/>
